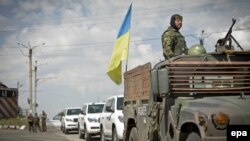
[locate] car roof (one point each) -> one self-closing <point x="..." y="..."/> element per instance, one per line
<point x="94" y="103"/>
<point x="73" y="108"/>
<point x="114" y="96"/>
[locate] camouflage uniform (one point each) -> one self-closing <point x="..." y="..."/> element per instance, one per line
<point x="37" y="122"/>
<point x="173" y="43"/>
<point x="44" y="117"/>
<point x="31" y="122"/>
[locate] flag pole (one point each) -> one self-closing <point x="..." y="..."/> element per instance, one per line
<point x="126" y="67"/>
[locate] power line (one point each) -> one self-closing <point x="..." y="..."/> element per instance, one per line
<point x="82" y="20"/>
<point x="91" y="45"/>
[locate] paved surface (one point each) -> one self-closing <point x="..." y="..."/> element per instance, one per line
<point x="52" y="134"/>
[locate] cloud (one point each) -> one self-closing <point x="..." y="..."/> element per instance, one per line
<point x="80" y="35"/>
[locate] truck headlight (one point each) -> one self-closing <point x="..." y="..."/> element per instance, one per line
<point x="220" y="120"/>
<point x="120" y="118"/>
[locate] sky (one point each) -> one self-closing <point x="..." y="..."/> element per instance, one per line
<point x="79" y="36"/>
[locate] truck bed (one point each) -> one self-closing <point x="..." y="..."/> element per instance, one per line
<point x="137" y="83"/>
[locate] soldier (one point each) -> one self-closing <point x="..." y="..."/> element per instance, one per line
<point x="37" y="122"/>
<point x="44" y="117"/>
<point x="173" y="42"/>
<point x="30" y="119"/>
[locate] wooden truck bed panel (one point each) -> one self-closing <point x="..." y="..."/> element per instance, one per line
<point x="137" y="83"/>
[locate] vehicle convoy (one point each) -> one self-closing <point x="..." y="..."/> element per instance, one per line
<point x="189" y="97"/>
<point x="70" y="119"/>
<point x="111" y="120"/>
<point x="89" y="120"/>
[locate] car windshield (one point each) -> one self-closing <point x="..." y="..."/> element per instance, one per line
<point x="57" y="118"/>
<point x="73" y="111"/>
<point x="120" y="103"/>
<point x="97" y="108"/>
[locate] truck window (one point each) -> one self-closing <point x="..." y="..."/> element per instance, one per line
<point x="73" y="111"/>
<point x="119" y="103"/>
<point x="95" y="108"/>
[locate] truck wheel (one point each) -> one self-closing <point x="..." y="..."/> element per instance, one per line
<point x="102" y="135"/>
<point x="114" y="135"/>
<point x="193" y="136"/>
<point x="133" y="134"/>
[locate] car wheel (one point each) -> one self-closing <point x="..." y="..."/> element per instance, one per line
<point x="102" y="135"/>
<point x="114" y="135"/>
<point x="65" y="131"/>
<point x="80" y="133"/>
<point x="86" y="134"/>
<point x="133" y="134"/>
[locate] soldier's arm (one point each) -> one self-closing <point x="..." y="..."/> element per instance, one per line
<point x="167" y="43"/>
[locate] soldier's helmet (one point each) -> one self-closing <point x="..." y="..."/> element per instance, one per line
<point x="196" y="50"/>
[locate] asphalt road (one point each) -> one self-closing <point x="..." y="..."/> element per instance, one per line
<point x="52" y="134"/>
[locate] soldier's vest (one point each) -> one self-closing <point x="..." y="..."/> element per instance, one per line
<point x="179" y="46"/>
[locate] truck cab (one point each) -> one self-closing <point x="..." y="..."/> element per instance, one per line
<point x="187" y="98"/>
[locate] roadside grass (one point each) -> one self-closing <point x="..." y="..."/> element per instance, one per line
<point x="18" y="121"/>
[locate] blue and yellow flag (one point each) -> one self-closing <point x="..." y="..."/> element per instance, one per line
<point x="120" y="50"/>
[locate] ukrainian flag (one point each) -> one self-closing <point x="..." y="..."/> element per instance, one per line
<point x="120" y="50"/>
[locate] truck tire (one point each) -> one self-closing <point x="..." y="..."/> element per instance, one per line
<point x="114" y="135"/>
<point x="193" y="136"/>
<point x="133" y="134"/>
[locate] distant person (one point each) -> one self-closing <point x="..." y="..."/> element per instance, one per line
<point x="37" y="122"/>
<point x="44" y="117"/>
<point x="30" y="119"/>
<point x="173" y="42"/>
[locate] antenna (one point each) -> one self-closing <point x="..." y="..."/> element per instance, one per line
<point x="181" y="6"/>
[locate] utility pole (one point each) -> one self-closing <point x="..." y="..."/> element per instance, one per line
<point x="30" y="70"/>
<point x="35" y="104"/>
<point x="36" y="83"/>
<point x="18" y="86"/>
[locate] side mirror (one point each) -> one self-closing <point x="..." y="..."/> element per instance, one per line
<point x="159" y="81"/>
<point x="109" y="109"/>
<point x="112" y="109"/>
<point x="62" y="118"/>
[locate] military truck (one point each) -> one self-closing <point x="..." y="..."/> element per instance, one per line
<point x="188" y="97"/>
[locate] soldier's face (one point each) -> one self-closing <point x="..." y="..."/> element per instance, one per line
<point x="178" y="23"/>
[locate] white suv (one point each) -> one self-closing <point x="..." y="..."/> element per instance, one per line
<point x="89" y="120"/>
<point x="70" y="119"/>
<point x="111" y="119"/>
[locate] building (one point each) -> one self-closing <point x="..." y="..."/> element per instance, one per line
<point x="8" y="102"/>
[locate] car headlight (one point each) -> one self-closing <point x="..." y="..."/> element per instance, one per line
<point x="69" y="119"/>
<point x="92" y="120"/>
<point x="220" y="120"/>
<point x="120" y="118"/>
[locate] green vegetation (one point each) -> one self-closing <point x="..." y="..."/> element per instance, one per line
<point x="18" y="121"/>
